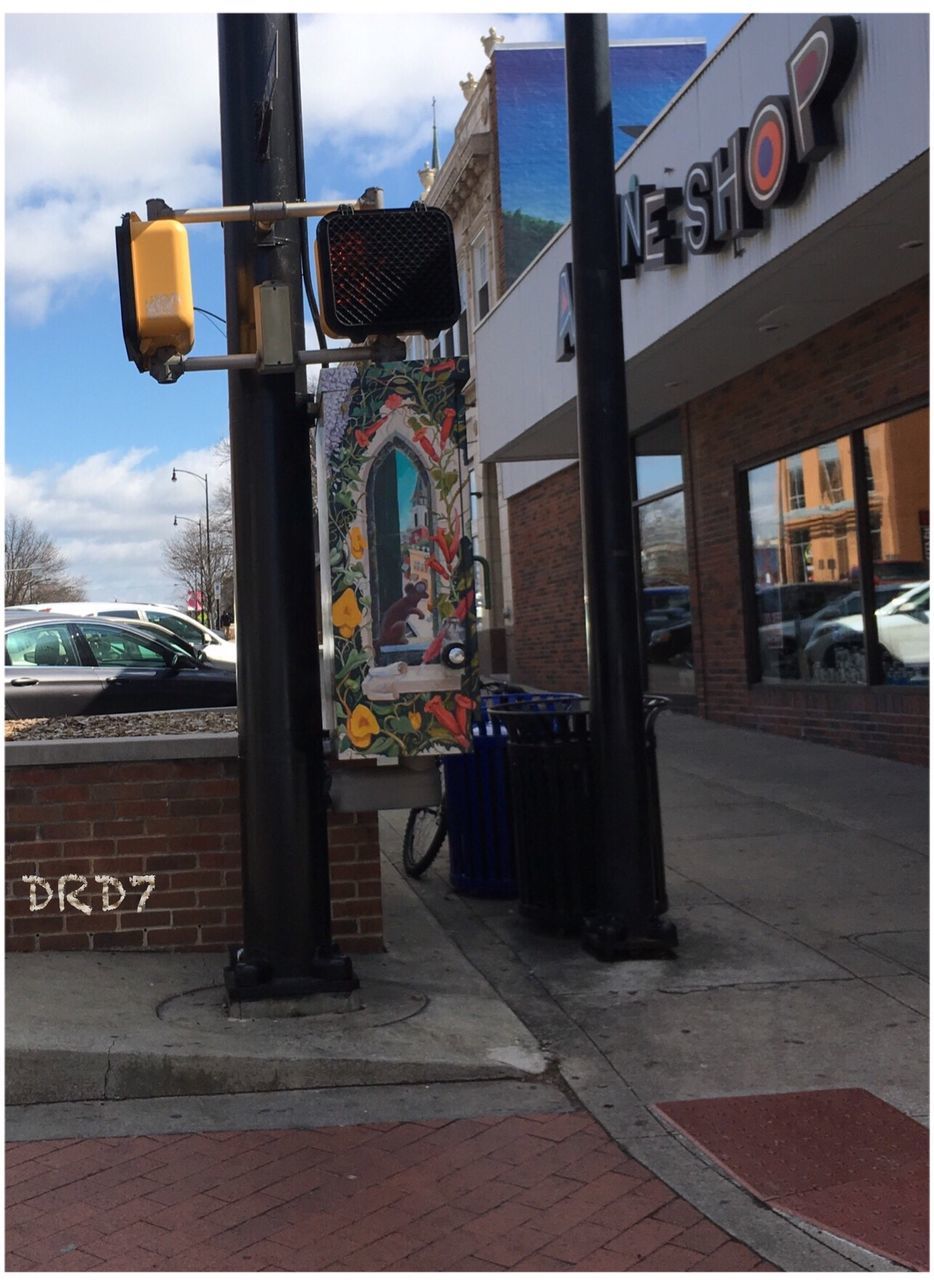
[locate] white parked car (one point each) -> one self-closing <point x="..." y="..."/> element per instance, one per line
<point x="221" y="652"/>
<point x="835" y="649"/>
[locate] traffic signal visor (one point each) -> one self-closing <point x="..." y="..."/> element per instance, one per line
<point x="387" y="272"/>
<point x="156" y="298"/>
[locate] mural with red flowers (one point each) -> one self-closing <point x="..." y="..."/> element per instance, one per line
<point x="397" y="571"/>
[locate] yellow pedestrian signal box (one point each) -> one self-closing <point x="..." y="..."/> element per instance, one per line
<point x="156" y="299"/>
<point x="387" y="272"/>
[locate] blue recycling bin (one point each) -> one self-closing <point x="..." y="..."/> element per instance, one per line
<point x="479" y="810"/>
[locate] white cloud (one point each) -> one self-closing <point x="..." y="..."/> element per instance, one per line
<point x="104" y="111"/>
<point x="368" y="80"/>
<point x="110" y="514"/>
<point x="101" y="113"/>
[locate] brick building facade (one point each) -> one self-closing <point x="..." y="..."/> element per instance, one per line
<point x="778" y="390"/>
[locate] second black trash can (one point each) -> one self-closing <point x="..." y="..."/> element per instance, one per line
<point x="548" y="766"/>
<point x="551" y="793"/>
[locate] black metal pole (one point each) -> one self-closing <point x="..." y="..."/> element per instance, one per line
<point x="626" y="921"/>
<point x="288" y="949"/>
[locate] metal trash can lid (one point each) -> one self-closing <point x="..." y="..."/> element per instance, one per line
<point x="545" y="719"/>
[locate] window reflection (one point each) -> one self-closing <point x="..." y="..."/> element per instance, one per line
<point x="810" y="593"/>
<point x="658" y="458"/>
<point x="795" y="473"/>
<point x="657" y="473"/>
<point x="837" y="652"/>
<point x="666" y="598"/>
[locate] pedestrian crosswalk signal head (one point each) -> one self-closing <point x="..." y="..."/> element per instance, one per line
<point x="156" y="298"/>
<point x="387" y="272"/>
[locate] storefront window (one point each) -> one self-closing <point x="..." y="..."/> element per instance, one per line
<point x="811" y="595"/>
<point x="666" y="596"/>
<point x="899" y="498"/>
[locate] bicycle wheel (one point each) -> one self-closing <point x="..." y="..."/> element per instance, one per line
<point x="424" y="835"/>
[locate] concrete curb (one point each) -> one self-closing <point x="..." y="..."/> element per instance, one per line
<point x="53" y="1076"/>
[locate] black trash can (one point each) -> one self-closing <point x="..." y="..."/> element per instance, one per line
<point x="548" y="754"/>
<point x="548" y="766"/>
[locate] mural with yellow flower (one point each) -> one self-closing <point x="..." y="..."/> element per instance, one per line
<point x="400" y="591"/>
<point x="345" y="613"/>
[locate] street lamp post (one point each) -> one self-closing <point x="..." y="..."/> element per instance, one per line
<point x="190" y="520"/>
<point x="212" y="621"/>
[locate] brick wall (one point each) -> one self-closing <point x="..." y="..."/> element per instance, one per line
<point x="549" y="647"/>
<point x="174" y="824"/>
<point x="852" y="374"/>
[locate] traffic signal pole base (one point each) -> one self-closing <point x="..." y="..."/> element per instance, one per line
<point x="608" y="937"/>
<point x="330" y="986"/>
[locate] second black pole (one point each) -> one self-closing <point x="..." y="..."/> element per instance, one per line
<point x="626" y="921"/>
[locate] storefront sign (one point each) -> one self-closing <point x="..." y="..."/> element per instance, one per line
<point x="566" y="335"/>
<point x="763" y="164"/>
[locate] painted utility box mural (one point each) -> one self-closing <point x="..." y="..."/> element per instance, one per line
<point x="396" y="561"/>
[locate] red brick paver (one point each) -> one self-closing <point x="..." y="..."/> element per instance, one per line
<point x="843" y="1159"/>
<point x="515" y="1193"/>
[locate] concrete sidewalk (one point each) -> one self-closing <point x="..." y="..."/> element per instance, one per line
<point x="797" y="877"/>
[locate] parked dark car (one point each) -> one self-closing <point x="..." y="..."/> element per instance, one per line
<point x="58" y="665"/>
<point x="666" y="624"/>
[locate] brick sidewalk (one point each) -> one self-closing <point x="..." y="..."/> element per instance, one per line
<point x="524" y="1193"/>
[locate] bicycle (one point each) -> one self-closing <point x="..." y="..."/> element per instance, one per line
<point x="425" y="832"/>
<point x="426" y="827"/>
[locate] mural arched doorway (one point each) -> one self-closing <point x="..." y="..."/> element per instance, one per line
<point x="399" y="528"/>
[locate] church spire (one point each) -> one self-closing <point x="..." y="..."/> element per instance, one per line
<point x="435" y="159"/>
<point x="430" y="168"/>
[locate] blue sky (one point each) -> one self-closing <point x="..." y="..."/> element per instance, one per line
<point x="103" y="111"/>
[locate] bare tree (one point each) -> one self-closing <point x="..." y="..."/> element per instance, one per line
<point x="36" y="570"/>
<point x="186" y="555"/>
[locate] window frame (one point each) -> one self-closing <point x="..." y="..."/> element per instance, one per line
<point x="139" y="639"/>
<point x="682" y="489"/>
<point x="64" y="634"/>
<point x="481" y="239"/>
